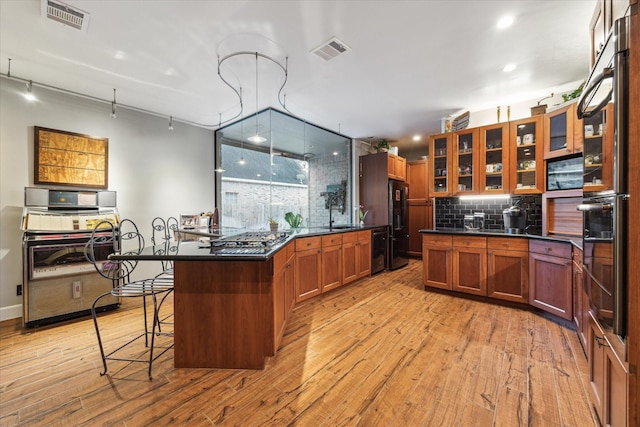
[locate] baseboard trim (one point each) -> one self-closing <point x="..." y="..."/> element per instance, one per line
<point x="10" y="312"/>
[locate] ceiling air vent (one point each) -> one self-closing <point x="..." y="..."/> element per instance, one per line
<point x="65" y="14"/>
<point x="331" y="49"/>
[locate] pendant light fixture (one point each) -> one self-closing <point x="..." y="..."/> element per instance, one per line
<point x="170" y="122"/>
<point x="29" y="96"/>
<point x="241" y="162"/>
<point x="257" y="138"/>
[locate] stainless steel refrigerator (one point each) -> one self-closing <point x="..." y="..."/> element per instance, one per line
<point x="398" y="224"/>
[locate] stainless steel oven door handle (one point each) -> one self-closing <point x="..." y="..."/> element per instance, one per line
<point x="587" y="96"/>
<point x="595" y="207"/>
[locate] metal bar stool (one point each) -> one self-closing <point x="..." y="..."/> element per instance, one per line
<point x="125" y="238"/>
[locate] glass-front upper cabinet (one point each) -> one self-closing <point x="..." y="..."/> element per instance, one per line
<point x="562" y="132"/>
<point x="493" y="170"/>
<point x="465" y="160"/>
<point x="440" y="162"/>
<point x="525" y="156"/>
<point x="598" y="151"/>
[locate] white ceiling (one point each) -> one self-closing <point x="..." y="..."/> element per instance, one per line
<point x="411" y="63"/>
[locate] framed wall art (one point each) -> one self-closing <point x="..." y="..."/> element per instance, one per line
<point x="73" y="159"/>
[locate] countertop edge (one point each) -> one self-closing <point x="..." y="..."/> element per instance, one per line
<point x="577" y="242"/>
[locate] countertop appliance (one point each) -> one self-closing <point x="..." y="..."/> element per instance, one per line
<point x="515" y="220"/>
<point x="605" y="213"/>
<point x="250" y="242"/>
<point x="58" y="282"/>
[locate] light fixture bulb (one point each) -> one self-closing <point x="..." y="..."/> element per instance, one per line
<point x="256" y="138"/>
<point x="113" y="105"/>
<point x="170" y="122"/>
<point x="505" y="22"/>
<point x="241" y="161"/>
<point x="29" y="96"/>
<point x="509" y="68"/>
<point x="416" y="138"/>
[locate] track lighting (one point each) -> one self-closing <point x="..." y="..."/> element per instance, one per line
<point x="29" y="96"/>
<point x="113" y="105"/>
<point x="170" y="122"/>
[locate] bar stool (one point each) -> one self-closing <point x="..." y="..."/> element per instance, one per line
<point x="165" y="238"/>
<point x="124" y="239"/>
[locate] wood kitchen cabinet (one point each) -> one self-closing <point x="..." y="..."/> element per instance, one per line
<point x="493" y="167"/>
<point x="508" y="268"/>
<point x="464" y="170"/>
<point x="283" y="291"/>
<point x="356" y="255"/>
<point x="562" y="132"/>
<point x="608" y="378"/>
<point x="437" y="261"/>
<point x="331" y="262"/>
<point x="550" y="273"/>
<point x="308" y="271"/>
<point x="526" y="156"/>
<point x="420" y="210"/>
<point x="470" y="265"/>
<point x="598" y="151"/>
<point x="580" y="300"/>
<point x="396" y="167"/>
<point x="440" y="150"/>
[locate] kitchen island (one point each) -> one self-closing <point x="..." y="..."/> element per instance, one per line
<point x="231" y="303"/>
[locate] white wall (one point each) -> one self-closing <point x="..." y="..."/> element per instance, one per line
<point x="155" y="172"/>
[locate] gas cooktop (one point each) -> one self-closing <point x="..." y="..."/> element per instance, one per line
<point x="253" y="242"/>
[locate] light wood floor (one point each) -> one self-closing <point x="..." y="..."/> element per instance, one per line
<point x="379" y="352"/>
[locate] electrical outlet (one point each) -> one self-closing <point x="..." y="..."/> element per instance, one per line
<point x="77" y="289"/>
<point x="19" y="290"/>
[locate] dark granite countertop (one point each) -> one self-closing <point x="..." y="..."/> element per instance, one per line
<point x="201" y="249"/>
<point x="577" y="242"/>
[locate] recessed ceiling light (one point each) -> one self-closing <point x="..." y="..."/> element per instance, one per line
<point x="505" y="22"/>
<point x="509" y="68"/>
<point x="416" y="138"/>
<point x="335" y="153"/>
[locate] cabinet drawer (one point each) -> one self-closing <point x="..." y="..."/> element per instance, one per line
<point x="331" y="240"/>
<point x="508" y="244"/>
<point x="348" y="237"/>
<point x="562" y="250"/>
<point x="469" y="242"/>
<point x="364" y="236"/>
<point x="437" y="239"/>
<point x="308" y="243"/>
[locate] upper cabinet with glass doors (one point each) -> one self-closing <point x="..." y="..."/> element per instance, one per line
<point x="440" y="164"/>
<point x="562" y="132"/>
<point x="493" y="171"/>
<point x="525" y="156"/>
<point x="598" y="151"/>
<point x="465" y="161"/>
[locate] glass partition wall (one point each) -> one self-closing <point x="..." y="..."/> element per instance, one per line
<point x="272" y="163"/>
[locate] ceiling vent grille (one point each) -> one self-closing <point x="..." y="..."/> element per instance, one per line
<point x="331" y="49"/>
<point x="65" y="14"/>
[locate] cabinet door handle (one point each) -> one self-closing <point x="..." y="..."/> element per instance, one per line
<point x="601" y="341"/>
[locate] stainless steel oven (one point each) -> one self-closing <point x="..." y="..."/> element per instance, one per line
<point x="58" y="282"/>
<point x="605" y="212"/>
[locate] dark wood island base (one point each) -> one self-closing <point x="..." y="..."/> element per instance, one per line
<point x="223" y="314"/>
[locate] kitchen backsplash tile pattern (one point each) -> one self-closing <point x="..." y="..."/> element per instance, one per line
<point x="450" y="212"/>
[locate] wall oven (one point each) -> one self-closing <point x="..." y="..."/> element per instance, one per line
<point x="58" y="282"/>
<point x="605" y="212"/>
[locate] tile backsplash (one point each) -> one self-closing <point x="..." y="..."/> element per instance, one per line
<point x="450" y="211"/>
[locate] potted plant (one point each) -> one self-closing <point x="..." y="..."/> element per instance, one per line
<point x="273" y="224"/>
<point x="294" y="220"/>
<point x="382" y="145"/>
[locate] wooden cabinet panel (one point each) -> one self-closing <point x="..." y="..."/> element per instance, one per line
<point x="363" y="255"/>
<point x="308" y="273"/>
<point x="440" y="165"/>
<point x="580" y="300"/>
<point x="526" y="156"/>
<point x="418" y="180"/>
<point x="562" y="132"/>
<point x="551" y="288"/>
<point x="493" y="167"/>
<point x="596" y="366"/>
<point x="464" y="170"/>
<point x="331" y="267"/>
<point x="420" y="217"/>
<point x="349" y="261"/>
<point x="508" y="274"/>
<point x="470" y="269"/>
<point x="436" y="261"/>
<point x="560" y="216"/>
